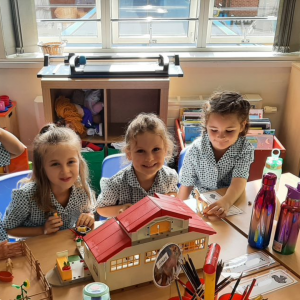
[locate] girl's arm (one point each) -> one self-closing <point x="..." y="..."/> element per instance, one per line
<point x="11" y="143"/>
<point x="184" y="192"/>
<point x="51" y="226"/>
<point x="221" y="207"/>
<point x="112" y="211"/>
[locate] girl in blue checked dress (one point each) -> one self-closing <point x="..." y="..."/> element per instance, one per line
<point x="10" y="147"/>
<point x="148" y="146"/>
<point x="58" y="195"/>
<point x="222" y="156"/>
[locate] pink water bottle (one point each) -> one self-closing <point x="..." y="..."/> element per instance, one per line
<point x="288" y="225"/>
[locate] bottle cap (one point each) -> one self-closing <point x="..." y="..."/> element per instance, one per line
<point x="274" y="162"/>
<point x="96" y="289"/>
<point x="293" y="193"/>
<point x="269" y="179"/>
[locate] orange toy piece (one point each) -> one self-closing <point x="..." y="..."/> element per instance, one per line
<point x="65" y="273"/>
<point x="68" y="111"/>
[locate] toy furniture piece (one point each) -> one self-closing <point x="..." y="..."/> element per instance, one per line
<point x="9" y="120"/>
<point x="7" y="184"/>
<point x="121" y="252"/>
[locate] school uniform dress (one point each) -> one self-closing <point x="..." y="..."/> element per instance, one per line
<point x="3" y="235"/>
<point x="4" y="156"/>
<point x="23" y="211"/>
<point x="124" y="187"/>
<point x="201" y="170"/>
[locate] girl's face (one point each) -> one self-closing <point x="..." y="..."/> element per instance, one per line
<point x="223" y="130"/>
<point x="61" y="164"/>
<point x="147" y="153"/>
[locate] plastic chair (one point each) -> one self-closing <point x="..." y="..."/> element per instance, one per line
<point x="7" y="184"/>
<point x="112" y="164"/>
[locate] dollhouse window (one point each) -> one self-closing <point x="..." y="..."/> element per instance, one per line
<point x="160" y="228"/>
<point x="150" y="256"/>
<point x="190" y="246"/>
<point x="125" y="263"/>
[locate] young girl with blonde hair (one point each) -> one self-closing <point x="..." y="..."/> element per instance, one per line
<point x="148" y="144"/>
<point x="57" y="196"/>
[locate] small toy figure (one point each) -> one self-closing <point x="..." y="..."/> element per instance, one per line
<point x="23" y="287"/>
<point x="9" y="265"/>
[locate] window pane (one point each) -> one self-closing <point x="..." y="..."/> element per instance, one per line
<point x="154" y="21"/>
<point x="70" y="20"/>
<point x="252" y="21"/>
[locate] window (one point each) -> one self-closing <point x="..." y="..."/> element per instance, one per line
<point x="125" y="263"/>
<point x="150" y="256"/>
<point x="195" y="245"/>
<point x="137" y="25"/>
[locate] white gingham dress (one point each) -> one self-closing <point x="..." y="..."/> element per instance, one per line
<point x="201" y="170"/>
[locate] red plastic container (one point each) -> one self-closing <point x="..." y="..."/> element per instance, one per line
<point x="227" y="297"/>
<point x="5" y="98"/>
<point x="6" y="276"/>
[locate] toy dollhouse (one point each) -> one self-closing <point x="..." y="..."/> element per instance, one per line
<point x="121" y="252"/>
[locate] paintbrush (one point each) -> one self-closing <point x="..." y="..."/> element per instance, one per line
<point x="184" y="286"/>
<point x="235" y="286"/>
<point x="223" y="286"/>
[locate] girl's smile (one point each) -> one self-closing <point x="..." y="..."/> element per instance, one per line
<point x="147" y="154"/>
<point x="223" y="130"/>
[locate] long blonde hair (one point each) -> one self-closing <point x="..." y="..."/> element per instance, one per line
<point x="51" y="135"/>
<point x="150" y="123"/>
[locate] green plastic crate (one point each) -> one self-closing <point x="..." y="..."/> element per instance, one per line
<point x="94" y="161"/>
<point x="111" y="151"/>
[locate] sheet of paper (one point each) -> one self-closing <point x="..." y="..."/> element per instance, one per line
<point x="268" y="283"/>
<point x="246" y="264"/>
<point x="192" y="204"/>
<point x="211" y="197"/>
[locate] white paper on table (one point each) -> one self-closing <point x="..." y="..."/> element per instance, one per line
<point x="268" y="283"/>
<point x="211" y="197"/>
<point x="246" y="264"/>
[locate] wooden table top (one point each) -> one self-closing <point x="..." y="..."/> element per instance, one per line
<point x="242" y="222"/>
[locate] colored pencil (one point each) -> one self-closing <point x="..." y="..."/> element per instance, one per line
<point x="245" y="292"/>
<point x="235" y="286"/>
<point x="250" y="289"/>
<point x="186" y="288"/>
<point x="178" y="290"/>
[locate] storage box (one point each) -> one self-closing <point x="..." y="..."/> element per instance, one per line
<point x="260" y="156"/>
<point x="94" y="161"/>
<point x="9" y="121"/>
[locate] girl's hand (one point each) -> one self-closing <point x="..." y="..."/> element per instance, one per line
<point x="218" y="209"/>
<point x="124" y="207"/>
<point x="86" y="219"/>
<point x="52" y="224"/>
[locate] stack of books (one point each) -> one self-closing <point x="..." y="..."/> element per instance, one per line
<point x="260" y="135"/>
<point x="191" y="120"/>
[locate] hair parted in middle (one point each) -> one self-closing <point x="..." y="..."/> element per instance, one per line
<point x="52" y="135"/>
<point x="148" y="122"/>
<point x="225" y="103"/>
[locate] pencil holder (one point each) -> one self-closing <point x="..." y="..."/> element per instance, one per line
<point x="227" y="297"/>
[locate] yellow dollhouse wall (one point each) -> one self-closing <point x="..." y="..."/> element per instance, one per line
<point x="66" y="275"/>
<point x="135" y="265"/>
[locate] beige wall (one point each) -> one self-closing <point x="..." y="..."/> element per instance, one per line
<point x="269" y="79"/>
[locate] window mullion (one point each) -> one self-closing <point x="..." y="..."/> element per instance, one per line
<point x="105" y="24"/>
<point x="203" y="22"/>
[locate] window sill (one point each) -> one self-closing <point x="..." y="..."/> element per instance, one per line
<point x="35" y="60"/>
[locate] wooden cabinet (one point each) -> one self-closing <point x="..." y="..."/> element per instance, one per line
<point x="123" y="100"/>
<point x="289" y="131"/>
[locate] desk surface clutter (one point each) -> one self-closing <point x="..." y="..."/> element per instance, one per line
<point x="231" y="236"/>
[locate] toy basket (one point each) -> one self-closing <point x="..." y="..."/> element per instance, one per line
<point x="53" y="48"/>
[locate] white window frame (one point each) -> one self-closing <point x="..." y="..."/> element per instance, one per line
<point x="238" y="39"/>
<point x="79" y="40"/>
<point x="147" y="39"/>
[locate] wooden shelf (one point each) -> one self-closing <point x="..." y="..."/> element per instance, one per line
<point x="123" y="100"/>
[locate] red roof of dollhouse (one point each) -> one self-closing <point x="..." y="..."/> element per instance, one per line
<point x="110" y="238"/>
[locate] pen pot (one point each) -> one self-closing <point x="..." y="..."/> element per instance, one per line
<point x="227" y="297"/>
